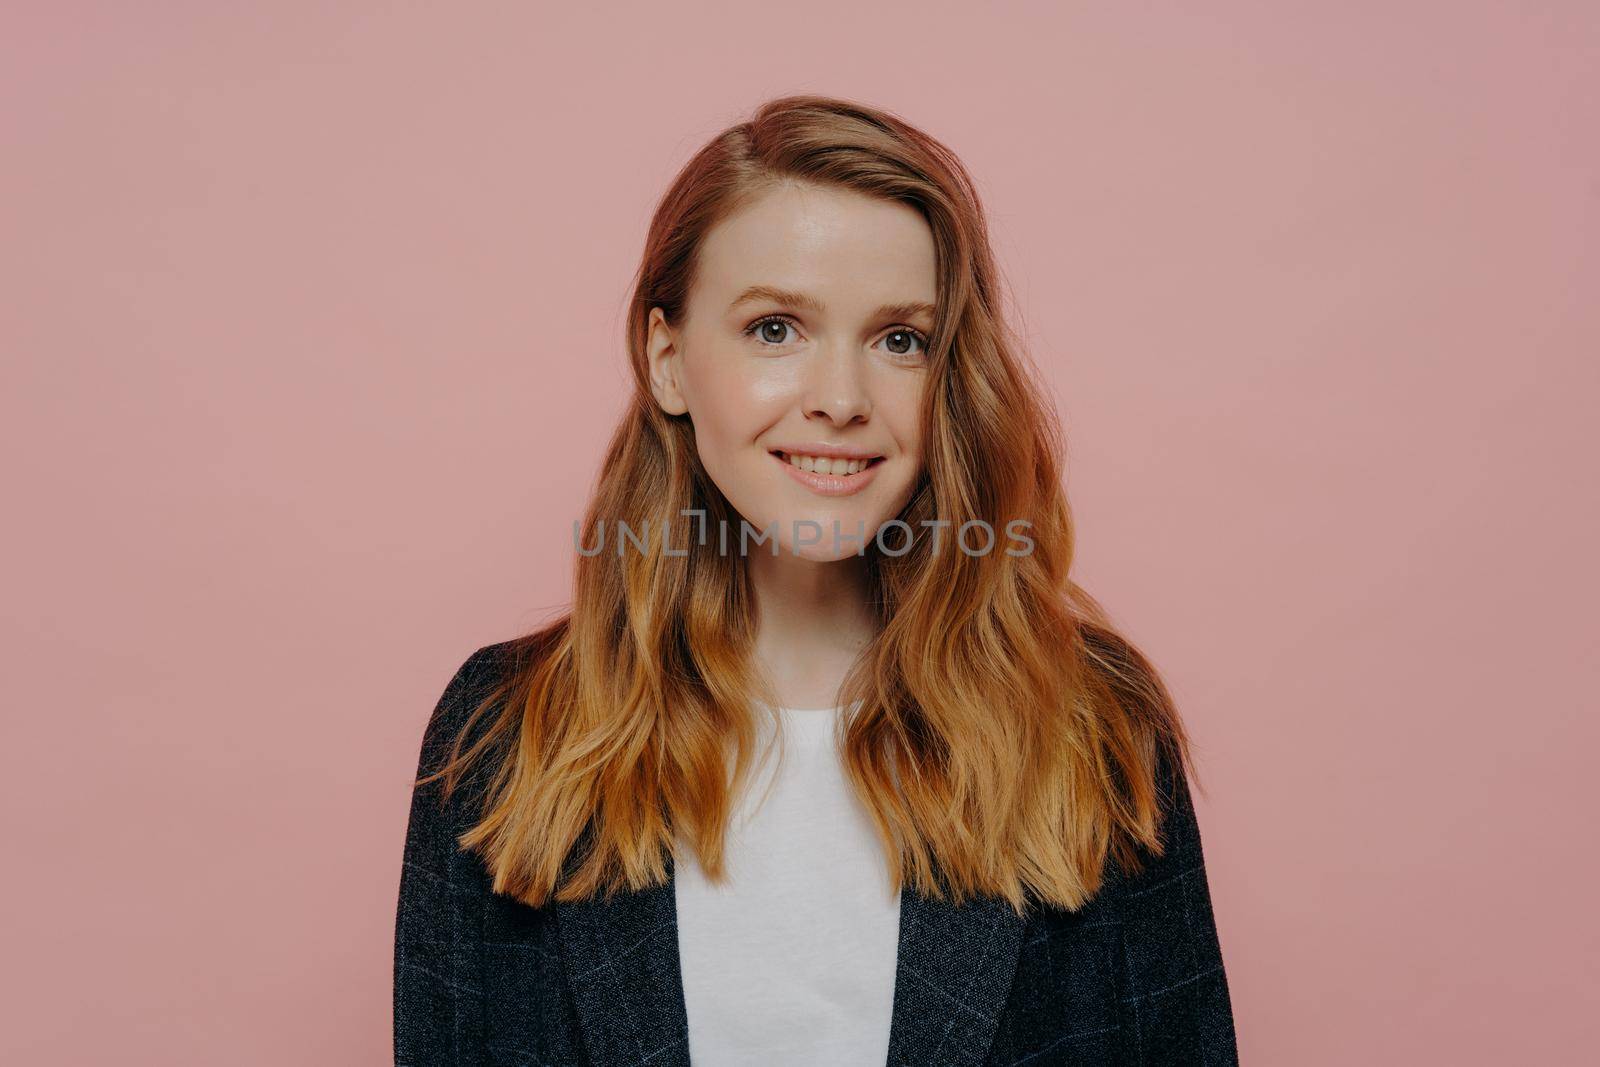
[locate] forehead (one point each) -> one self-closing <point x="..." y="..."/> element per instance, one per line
<point x="850" y="251"/>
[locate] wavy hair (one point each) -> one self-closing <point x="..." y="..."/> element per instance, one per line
<point x="1005" y="738"/>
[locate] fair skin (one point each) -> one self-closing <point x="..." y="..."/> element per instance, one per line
<point x="837" y="358"/>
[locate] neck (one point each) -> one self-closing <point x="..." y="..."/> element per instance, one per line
<point x="813" y="621"/>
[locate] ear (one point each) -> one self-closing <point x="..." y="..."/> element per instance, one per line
<point x="661" y="350"/>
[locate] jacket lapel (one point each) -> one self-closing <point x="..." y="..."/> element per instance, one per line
<point x="952" y="979"/>
<point x="627" y="983"/>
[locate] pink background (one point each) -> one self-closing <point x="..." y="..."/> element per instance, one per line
<point x="312" y="338"/>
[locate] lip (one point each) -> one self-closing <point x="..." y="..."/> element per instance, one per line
<point x="830" y="484"/>
<point x="822" y="448"/>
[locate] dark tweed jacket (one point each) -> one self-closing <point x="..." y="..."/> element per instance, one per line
<point x="1134" y="977"/>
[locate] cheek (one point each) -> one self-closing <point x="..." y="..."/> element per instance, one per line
<point x="906" y="422"/>
<point x="763" y="387"/>
<point x="731" y="403"/>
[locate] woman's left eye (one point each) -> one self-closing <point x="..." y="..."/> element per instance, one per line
<point x="901" y="338"/>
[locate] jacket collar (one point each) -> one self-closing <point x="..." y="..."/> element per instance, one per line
<point x="952" y="977"/>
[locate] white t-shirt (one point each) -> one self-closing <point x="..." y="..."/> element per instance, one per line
<point x="793" y="961"/>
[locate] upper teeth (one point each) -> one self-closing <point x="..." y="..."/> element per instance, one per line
<point x="824" y="465"/>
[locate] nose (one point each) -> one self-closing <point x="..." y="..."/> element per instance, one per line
<point x="835" y="386"/>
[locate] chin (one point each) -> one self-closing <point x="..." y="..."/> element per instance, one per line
<point x="826" y="548"/>
<point x="826" y="553"/>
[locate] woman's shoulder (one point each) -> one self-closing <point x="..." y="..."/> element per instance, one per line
<point x="478" y="675"/>
<point x="1177" y="829"/>
<point x="464" y="715"/>
<point x="488" y="669"/>
<point x="490" y="665"/>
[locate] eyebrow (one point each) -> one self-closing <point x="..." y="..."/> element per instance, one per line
<point x="795" y="298"/>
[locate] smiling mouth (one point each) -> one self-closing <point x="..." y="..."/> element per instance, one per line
<point x="839" y="468"/>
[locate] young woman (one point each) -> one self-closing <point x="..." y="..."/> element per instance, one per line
<point x="830" y="762"/>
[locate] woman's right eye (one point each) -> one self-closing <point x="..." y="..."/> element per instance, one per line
<point x="770" y="330"/>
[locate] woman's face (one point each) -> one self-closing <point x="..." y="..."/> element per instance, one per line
<point x="803" y="346"/>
